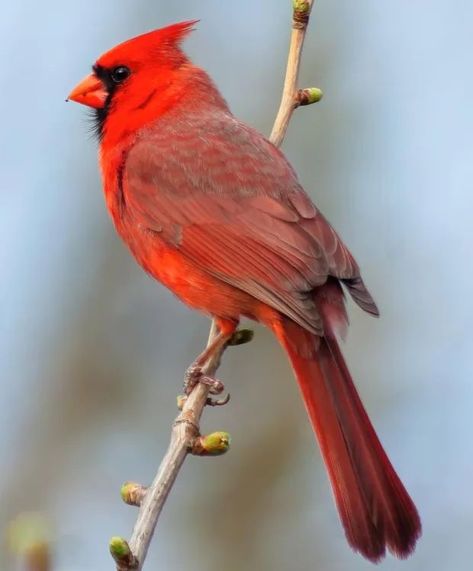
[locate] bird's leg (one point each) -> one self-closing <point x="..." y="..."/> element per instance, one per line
<point x="194" y="373"/>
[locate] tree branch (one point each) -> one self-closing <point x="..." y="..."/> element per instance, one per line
<point x="291" y="97"/>
<point x="185" y="433"/>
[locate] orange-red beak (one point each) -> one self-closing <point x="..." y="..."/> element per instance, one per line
<point x="90" y="91"/>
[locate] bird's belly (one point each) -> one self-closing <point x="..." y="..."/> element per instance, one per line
<point x="195" y="287"/>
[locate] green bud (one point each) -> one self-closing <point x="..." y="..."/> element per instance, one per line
<point x="132" y="493"/>
<point x="180" y="401"/>
<point x="27" y="531"/>
<point x="121" y="552"/>
<point x="309" y="95"/>
<point x="301" y="6"/>
<point x="214" y="444"/>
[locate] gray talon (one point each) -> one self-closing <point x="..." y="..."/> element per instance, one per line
<point x="218" y="402"/>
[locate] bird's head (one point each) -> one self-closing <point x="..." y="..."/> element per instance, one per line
<point x="136" y="81"/>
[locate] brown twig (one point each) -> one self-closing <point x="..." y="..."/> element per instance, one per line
<point x="290" y="100"/>
<point x="185" y="434"/>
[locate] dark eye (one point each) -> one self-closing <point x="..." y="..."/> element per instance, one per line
<point x="120" y="73"/>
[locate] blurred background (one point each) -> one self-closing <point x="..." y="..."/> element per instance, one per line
<point x="92" y="352"/>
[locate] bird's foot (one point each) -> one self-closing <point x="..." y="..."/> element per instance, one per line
<point x="194" y="376"/>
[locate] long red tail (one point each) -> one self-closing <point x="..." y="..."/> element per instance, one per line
<point x="375" y="508"/>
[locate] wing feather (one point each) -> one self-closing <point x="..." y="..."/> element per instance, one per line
<point x="227" y="199"/>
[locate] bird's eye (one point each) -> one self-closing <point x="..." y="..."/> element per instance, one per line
<point x="120" y="73"/>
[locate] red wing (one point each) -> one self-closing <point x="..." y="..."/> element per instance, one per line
<point x="229" y="201"/>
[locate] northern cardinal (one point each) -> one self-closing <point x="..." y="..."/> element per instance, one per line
<point x="215" y="212"/>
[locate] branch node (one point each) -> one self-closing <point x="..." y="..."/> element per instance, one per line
<point x="308" y="96"/>
<point x="241" y="337"/>
<point x="214" y="444"/>
<point x="122" y="554"/>
<point x="191" y="427"/>
<point x="133" y="493"/>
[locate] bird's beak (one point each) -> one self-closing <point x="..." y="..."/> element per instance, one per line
<point x="90" y="91"/>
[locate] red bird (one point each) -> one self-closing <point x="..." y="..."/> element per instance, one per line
<point x="215" y="212"/>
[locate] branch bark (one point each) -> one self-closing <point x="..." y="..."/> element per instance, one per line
<point x="185" y="429"/>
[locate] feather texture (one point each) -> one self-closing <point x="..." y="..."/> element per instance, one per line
<point x="236" y="209"/>
<point x="374" y="507"/>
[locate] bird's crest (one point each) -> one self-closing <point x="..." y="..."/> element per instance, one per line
<point x="161" y="42"/>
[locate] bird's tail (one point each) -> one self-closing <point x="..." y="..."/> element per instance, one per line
<point x="375" y="508"/>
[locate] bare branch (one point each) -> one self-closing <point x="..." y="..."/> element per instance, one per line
<point x="185" y="434"/>
<point x="290" y="98"/>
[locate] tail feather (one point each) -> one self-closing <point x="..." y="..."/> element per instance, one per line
<point x="361" y="295"/>
<point x="375" y="508"/>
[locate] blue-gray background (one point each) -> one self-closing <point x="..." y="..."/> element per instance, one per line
<point x="92" y="352"/>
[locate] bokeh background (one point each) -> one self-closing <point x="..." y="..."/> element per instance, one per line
<point x="92" y="352"/>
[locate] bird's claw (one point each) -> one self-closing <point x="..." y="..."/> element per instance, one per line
<point x="218" y="402"/>
<point x="194" y="376"/>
